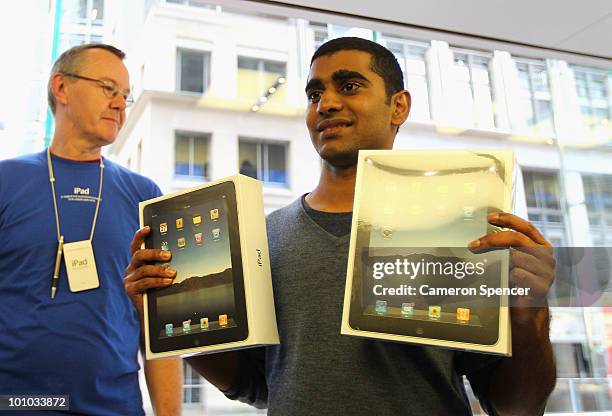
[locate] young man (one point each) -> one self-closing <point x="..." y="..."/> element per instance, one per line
<point x="58" y="341"/>
<point x="356" y="100"/>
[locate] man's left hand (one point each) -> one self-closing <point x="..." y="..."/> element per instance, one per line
<point x="532" y="265"/>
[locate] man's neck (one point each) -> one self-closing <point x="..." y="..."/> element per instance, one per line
<point x="335" y="191"/>
<point x="74" y="149"/>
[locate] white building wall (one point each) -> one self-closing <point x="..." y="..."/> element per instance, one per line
<point x="227" y="36"/>
<point x="164" y="115"/>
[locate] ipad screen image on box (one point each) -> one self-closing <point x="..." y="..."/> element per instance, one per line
<point x="412" y="272"/>
<point x="205" y="303"/>
<point x="203" y="288"/>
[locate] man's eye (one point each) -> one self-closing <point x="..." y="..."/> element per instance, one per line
<point x="110" y="90"/>
<point x="350" y="87"/>
<point x="314" y="97"/>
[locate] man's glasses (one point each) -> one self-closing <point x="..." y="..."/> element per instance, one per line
<point x="110" y="89"/>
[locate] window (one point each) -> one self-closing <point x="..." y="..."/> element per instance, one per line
<point x="474" y="87"/>
<point x="193" y="385"/>
<point x="194" y="3"/>
<point x="321" y="34"/>
<point x="411" y="58"/>
<point x="261" y="81"/>
<point x="598" y="199"/>
<point x="192" y="70"/>
<point x="191" y="152"/>
<point x="85" y="11"/>
<point x="593" y="96"/>
<point x="579" y="387"/>
<point x="544" y="205"/>
<point x="572" y="360"/>
<point x="536" y="99"/>
<point x="266" y="161"/>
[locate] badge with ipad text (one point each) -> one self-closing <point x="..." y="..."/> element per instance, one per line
<point x="81" y="266"/>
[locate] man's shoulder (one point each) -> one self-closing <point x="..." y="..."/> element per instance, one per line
<point x="124" y="172"/>
<point x="22" y="171"/>
<point x="22" y="162"/>
<point x="285" y="215"/>
<point x="131" y="179"/>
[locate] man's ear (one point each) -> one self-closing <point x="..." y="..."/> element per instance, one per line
<point x="401" y="102"/>
<point x="58" y="88"/>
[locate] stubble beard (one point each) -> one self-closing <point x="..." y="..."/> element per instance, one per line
<point x="340" y="158"/>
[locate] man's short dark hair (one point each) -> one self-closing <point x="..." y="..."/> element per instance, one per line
<point x="383" y="61"/>
<point x="71" y="61"/>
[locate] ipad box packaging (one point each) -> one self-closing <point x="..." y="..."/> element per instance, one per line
<point x="410" y="276"/>
<point x="221" y="298"/>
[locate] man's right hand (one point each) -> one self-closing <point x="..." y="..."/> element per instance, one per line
<point x="142" y="274"/>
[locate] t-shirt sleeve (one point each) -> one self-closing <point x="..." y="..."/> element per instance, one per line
<point x="155" y="191"/>
<point x="251" y="387"/>
<point x="479" y="370"/>
<point x="2" y="198"/>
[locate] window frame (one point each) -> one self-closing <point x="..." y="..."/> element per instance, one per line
<point x="471" y="55"/>
<point x="262" y="156"/>
<point x="409" y="76"/>
<point x="551" y="230"/>
<point x="261" y="61"/>
<point x="533" y="93"/>
<point x="589" y="73"/>
<point x="89" y="7"/>
<point x="602" y="228"/>
<point x="318" y="29"/>
<point x="192" y="135"/>
<point x="193" y="386"/>
<point x="205" y="69"/>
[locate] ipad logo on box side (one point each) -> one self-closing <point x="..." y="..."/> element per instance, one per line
<point x="259" y="258"/>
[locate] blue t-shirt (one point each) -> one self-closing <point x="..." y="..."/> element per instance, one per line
<point x="82" y="344"/>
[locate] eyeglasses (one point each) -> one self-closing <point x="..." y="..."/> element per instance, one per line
<point x="110" y="89"/>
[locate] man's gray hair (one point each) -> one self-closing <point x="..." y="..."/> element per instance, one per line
<point x="71" y="61"/>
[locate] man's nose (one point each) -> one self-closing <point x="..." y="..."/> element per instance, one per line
<point x="119" y="102"/>
<point x="329" y="102"/>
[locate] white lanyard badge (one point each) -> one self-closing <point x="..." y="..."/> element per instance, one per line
<point x="78" y="256"/>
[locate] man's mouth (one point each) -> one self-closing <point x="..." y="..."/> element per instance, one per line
<point x="111" y="119"/>
<point x="332" y="127"/>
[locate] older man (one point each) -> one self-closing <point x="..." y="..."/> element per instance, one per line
<point x="76" y="332"/>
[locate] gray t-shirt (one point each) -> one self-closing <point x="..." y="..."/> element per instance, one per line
<point x="317" y="371"/>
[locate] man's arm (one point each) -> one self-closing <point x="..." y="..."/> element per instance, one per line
<point x="165" y="385"/>
<point x="219" y="369"/>
<point x="240" y="375"/>
<point x="222" y="369"/>
<point x="520" y="385"/>
<point x="164" y="377"/>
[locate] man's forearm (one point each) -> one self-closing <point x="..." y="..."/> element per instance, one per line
<point x="219" y="369"/>
<point x="165" y="384"/>
<point x="521" y="385"/>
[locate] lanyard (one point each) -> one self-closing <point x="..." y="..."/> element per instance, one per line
<point x="52" y="180"/>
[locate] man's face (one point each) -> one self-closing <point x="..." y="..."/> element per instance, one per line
<point x="347" y="108"/>
<point x="95" y="116"/>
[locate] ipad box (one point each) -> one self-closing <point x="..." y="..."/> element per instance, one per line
<point x="410" y="276"/>
<point x="221" y="298"/>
